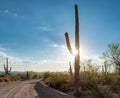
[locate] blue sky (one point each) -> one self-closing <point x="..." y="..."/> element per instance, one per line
<point x="32" y="31"/>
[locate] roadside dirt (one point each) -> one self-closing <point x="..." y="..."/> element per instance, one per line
<point x="30" y="89"/>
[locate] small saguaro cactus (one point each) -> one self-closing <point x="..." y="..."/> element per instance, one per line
<point x="6" y="69"/>
<point x="105" y="71"/>
<point x="105" y="68"/>
<point x="70" y="69"/>
<point x="77" y="56"/>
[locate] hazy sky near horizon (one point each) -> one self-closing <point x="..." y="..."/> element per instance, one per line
<point x="32" y="31"/>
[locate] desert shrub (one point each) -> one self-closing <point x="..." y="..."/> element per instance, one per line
<point x="107" y="79"/>
<point x="1" y="79"/>
<point x="89" y="81"/>
<point x="86" y="78"/>
<point x="29" y="74"/>
<point x="17" y="77"/>
<point x="95" y="90"/>
<point x="1" y="75"/>
<point x="56" y="80"/>
<point x="23" y="76"/>
<point x="7" y="78"/>
<point x="59" y="81"/>
<point x="115" y="87"/>
<point x="99" y="85"/>
<point x="36" y="76"/>
<point x="32" y="75"/>
<point x="46" y="75"/>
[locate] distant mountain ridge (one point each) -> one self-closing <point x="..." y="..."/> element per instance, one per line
<point x="23" y="72"/>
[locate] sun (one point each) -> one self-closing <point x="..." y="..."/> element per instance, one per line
<point x="74" y="51"/>
<point x="83" y="53"/>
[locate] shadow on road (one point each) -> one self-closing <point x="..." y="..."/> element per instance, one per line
<point x="46" y="92"/>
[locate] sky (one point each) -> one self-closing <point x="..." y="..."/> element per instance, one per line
<point x="32" y="32"/>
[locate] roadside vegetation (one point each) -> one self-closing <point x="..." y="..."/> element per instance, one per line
<point x="9" y="76"/>
<point x="95" y="81"/>
<point x="92" y="82"/>
<point x="16" y="77"/>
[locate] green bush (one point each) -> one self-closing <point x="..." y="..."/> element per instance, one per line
<point x="58" y="81"/>
<point x="7" y="78"/>
<point x="95" y="90"/>
<point x="17" y="77"/>
<point x="46" y="75"/>
<point x="32" y="75"/>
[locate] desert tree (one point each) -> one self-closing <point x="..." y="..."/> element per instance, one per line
<point x="112" y="55"/>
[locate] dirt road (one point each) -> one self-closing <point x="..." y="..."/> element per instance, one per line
<point x="30" y="89"/>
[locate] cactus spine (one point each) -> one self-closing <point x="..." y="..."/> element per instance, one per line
<point x="77" y="56"/>
<point x="6" y="69"/>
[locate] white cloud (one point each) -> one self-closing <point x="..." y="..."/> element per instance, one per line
<point x="6" y="11"/>
<point x="21" y="64"/>
<point x="10" y="12"/>
<point x="61" y="63"/>
<point x="54" y="45"/>
<point x="3" y="49"/>
<point x="15" y="14"/>
<point x="58" y="46"/>
<point x="44" y="28"/>
<point x="3" y="54"/>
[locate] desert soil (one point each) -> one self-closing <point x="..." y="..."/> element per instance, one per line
<point x="30" y="89"/>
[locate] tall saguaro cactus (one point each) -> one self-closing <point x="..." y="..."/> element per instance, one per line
<point x="77" y="56"/>
<point x="6" y="69"/>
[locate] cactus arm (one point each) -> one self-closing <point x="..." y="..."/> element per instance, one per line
<point x="10" y="69"/>
<point x="4" y="67"/>
<point x="7" y="63"/>
<point x="68" y="43"/>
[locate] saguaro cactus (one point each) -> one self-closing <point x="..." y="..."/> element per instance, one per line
<point x="6" y="69"/>
<point x="70" y="69"/>
<point x="77" y="56"/>
<point x="105" y="68"/>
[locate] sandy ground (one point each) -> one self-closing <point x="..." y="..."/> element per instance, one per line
<point x="30" y="89"/>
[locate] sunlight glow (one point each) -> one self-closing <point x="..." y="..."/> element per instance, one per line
<point x="82" y="53"/>
<point x="74" y="51"/>
<point x="70" y="57"/>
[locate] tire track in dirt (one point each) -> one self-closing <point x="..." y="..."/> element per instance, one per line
<point x="30" y="89"/>
<point x="7" y="90"/>
<point x="14" y="91"/>
<point x="19" y="90"/>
